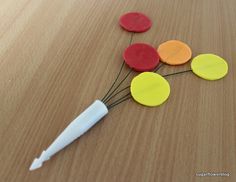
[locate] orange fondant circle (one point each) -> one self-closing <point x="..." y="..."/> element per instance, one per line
<point x="174" y="52"/>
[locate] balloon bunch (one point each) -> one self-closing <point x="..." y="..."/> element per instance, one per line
<point x="147" y="88"/>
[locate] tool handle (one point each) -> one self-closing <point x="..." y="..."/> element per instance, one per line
<point x="78" y="126"/>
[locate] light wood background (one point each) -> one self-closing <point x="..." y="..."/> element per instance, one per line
<point x="58" y="56"/>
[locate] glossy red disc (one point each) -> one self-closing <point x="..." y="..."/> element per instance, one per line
<point x="135" y="22"/>
<point x="141" y="57"/>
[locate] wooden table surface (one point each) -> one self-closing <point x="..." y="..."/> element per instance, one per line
<point x="58" y="56"/>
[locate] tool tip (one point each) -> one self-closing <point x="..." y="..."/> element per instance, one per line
<point x="36" y="164"/>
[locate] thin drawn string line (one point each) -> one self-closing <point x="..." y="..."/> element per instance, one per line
<point x="109" y="96"/>
<point x="112" y="96"/>
<point x="118" y="75"/>
<point x="126" y="76"/>
<point x="120" y="100"/>
<point x="128" y="96"/>
<point x="118" y="93"/>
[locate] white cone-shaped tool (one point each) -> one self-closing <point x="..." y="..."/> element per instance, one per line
<point x="75" y="129"/>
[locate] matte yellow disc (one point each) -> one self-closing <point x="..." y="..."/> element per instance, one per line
<point x="150" y="89"/>
<point x="209" y="66"/>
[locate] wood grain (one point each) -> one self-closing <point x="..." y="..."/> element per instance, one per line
<point x="58" y="56"/>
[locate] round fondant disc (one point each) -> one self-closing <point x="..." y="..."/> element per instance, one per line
<point x="209" y="66"/>
<point x="141" y="57"/>
<point x="150" y="89"/>
<point x="174" y="52"/>
<point x="135" y="22"/>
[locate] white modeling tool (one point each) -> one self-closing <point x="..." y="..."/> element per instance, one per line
<point x="75" y="129"/>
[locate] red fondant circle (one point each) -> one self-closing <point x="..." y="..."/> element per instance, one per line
<point x="135" y="22"/>
<point x="141" y="57"/>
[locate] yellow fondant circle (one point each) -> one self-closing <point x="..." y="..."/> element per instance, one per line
<point x="209" y="66"/>
<point x="150" y="89"/>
